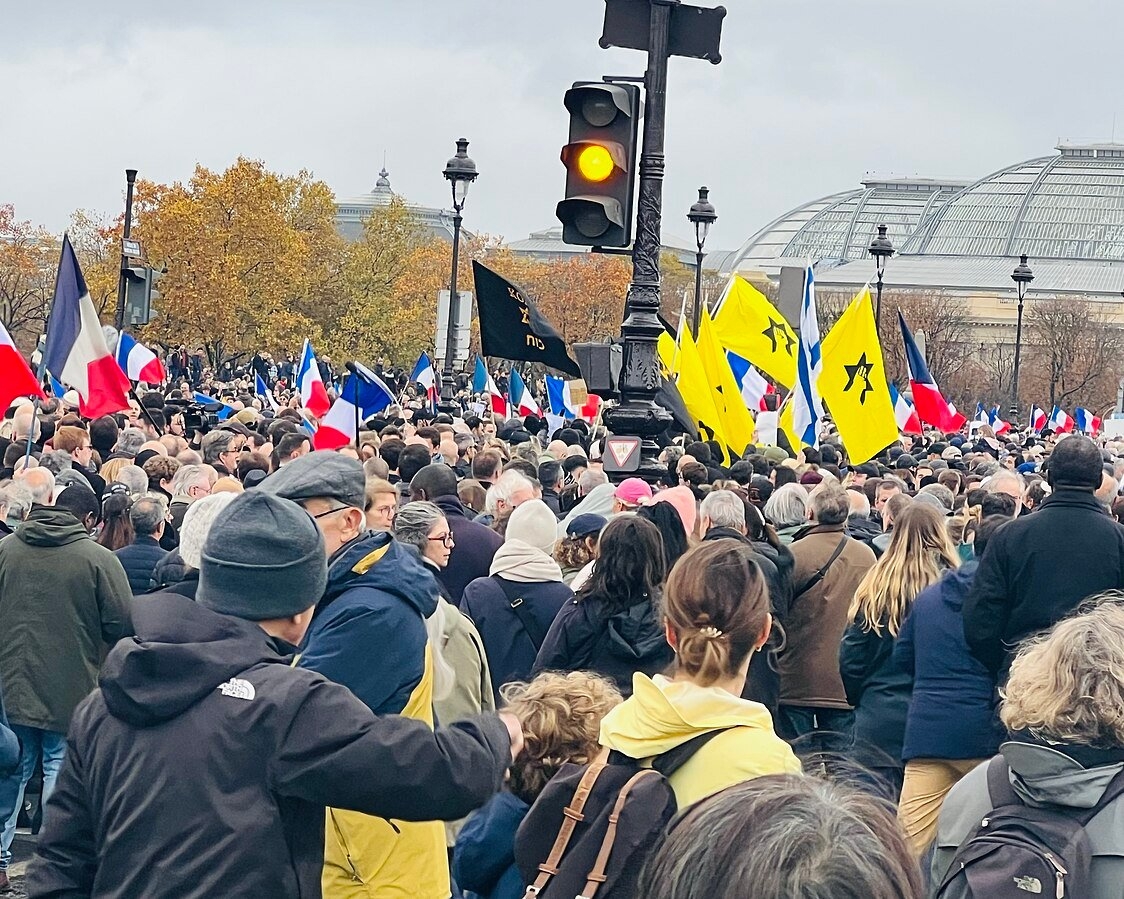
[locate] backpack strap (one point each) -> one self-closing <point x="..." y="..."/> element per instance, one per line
<point x="571" y="815"/>
<point x="597" y="875"/>
<point x="519" y="606"/>
<point x="671" y="761"/>
<point x="819" y="575"/>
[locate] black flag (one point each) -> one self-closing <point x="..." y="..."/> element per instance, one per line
<point x="512" y="328"/>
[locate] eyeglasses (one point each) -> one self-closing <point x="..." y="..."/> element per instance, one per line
<point x="446" y="538"/>
<point x="329" y="512"/>
<point x="388" y="511"/>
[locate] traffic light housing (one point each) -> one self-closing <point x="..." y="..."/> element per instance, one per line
<point x="140" y="294"/>
<point x="601" y="159"/>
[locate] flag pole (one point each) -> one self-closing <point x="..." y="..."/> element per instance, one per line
<point x="353" y="372"/>
<point x="43" y="357"/>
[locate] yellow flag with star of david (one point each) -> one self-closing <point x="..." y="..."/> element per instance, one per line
<point x="746" y="323"/>
<point x="852" y="382"/>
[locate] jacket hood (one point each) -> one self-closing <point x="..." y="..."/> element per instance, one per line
<point x="1045" y="774"/>
<point x="519" y="561"/>
<point x="636" y="633"/>
<point x="599" y="501"/>
<point x="662" y="714"/>
<point x="486" y="851"/>
<point x="47" y="526"/>
<point x="182" y="651"/>
<point x="955" y="584"/>
<point x="378" y="561"/>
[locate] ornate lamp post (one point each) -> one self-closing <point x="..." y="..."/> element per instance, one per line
<point x="881" y="249"/>
<point x="702" y="216"/>
<point x="460" y="171"/>
<point x="1022" y="276"/>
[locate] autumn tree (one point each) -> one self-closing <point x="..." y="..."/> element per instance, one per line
<point x="28" y="262"/>
<point x="97" y="245"/>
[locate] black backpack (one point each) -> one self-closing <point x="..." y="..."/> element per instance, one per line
<point x="593" y="826"/>
<point x="1019" y="851"/>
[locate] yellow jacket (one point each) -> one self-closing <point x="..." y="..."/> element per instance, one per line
<point x="662" y="714"/>
<point x="374" y="858"/>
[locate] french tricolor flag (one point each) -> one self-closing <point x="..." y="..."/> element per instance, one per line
<point x="16" y="376"/>
<point x="906" y="415"/>
<point x="1038" y="419"/>
<point x="364" y="395"/>
<point x="521" y="397"/>
<point x="931" y="405"/>
<point x="425" y="375"/>
<point x="754" y="387"/>
<point x="998" y="425"/>
<point x="1060" y="419"/>
<point x="1085" y="421"/>
<point x="482" y="382"/>
<point x="138" y="362"/>
<point x="75" y="351"/>
<point x="314" y="395"/>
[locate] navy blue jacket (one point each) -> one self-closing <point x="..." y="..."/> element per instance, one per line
<point x="139" y="559"/>
<point x="368" y="630"/>
<point x="473" y="549"/>
<point x="879" y="691"/>
<point x="952" y="714"/>
<point x="484" y="857"/>
<point x="511" y="654"/>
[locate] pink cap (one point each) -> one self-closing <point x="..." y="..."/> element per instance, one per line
<point x="683" y="501"/>
<point x="633" y="491"/>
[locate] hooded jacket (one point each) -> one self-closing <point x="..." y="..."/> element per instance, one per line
<point x="484" y="857"/>
<point x="474" y="545"/>
<point x="536" y="579"/>
<point x="62" y="597"/>
<point x="1044" y="774"/>
<point x="662" y="714"/>
<point x="368" y="633"/>
<point x="202" y="765"/>
<point x="589" y="634"/>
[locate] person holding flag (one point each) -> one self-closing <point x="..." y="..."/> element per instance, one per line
<point x="364" y="395"/>
<point x="314" y="395"/>
<point x="424" y="374"/>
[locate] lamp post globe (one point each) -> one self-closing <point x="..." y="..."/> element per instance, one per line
<point x="1022" y="276"/>
<point x="881" y="248"/>
<point x="460" y="172"/>
<point x="702" y="216"/>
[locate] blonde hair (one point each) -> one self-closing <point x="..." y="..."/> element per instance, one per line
<point x="561" y="719"/>
<point x="919" y="551"/>
<point x="112" y="468"/>
<point x="227" y="484"/>
<point x="375" y="488"/>
<point x="1067" y="685"/>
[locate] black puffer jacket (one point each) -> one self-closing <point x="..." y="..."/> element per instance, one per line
<point x="589" y="633"/>
<point x="202" y="713"/>
<point x="139" y="559"/>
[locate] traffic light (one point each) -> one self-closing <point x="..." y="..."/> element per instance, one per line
<point x="601" y="160"/>
<point x="140" y="294"/>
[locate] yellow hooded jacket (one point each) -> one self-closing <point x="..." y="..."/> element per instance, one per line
<point x="662" y="714"/>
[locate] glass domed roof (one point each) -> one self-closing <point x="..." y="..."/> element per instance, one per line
<point x="1067" y="206"/>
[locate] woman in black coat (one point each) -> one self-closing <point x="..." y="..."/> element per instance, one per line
<point x="613" y="625"/>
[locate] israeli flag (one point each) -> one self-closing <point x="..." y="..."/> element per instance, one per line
<point x="807" y="407"/>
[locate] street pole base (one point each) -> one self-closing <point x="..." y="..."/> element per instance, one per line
<point x="644" y="419"/>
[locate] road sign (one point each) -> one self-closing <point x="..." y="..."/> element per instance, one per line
<point x="622" y="454"/>
<point x="131" y="248"/>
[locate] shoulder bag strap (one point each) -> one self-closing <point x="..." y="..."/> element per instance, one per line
<point x="819" y="575"/>
<point x="596" y="875"/>
<point x="999" y="788"/>
<point x="571" y="815"/>
<point x="518" y="605"/>
<point x="671" y="761"/>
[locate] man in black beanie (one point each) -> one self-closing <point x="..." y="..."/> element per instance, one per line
<point x="203" y="763"/>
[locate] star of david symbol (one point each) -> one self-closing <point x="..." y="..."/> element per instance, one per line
<point x="777" y="329"/>
<point x="860" y="369"/>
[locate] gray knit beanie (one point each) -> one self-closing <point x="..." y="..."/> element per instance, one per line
<point x="263" y="558"/>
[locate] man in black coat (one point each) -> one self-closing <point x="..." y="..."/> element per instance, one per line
<point x="1038" y="568"/>
<point x="139" y="558"/>
<point x="203" y="763"/>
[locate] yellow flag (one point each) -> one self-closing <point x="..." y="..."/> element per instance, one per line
<point x="728" y="402"/>
<point x="853" y="382"/>
<point x="749" y="325"/>
<point x="685" y="368"/>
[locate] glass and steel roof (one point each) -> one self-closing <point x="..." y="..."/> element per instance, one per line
<point x="838" y="228"/>
<point x="1066" y="206"/>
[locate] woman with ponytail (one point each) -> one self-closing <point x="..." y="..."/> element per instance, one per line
<point x="716" y="616"/>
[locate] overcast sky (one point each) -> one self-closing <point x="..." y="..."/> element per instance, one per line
<point x="810" y="95"/>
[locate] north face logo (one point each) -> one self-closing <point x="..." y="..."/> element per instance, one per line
<point x="1029" y="884"/>
<point x="239" y="689"/>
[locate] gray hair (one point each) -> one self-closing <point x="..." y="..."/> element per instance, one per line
<point x="414" y="521"/>
<point x="893" y="481"/>
<point x="787" y="506"/>
<point x="187" y="477"/>
<point x="941" y="492"/>
<point x="505" y="487"/>
<point x="829" y="504"/>
<point x="215" y="443"/>
<point x="991" y="485"/>
<point x="724" y="509"/>
<point x="133" y="477"/>
<point x="130" y="441"/>
<point x="55" y="461"/>
<point x="591" y="478"/>
<point x="147" y="513"/>
<point x="39" y="482"/>
<point x="808" y="837"/>
<point x="16" y="500"/>
<point x="859" y="503"/>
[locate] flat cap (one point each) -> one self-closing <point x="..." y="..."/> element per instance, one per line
<point x="324" y="474"/>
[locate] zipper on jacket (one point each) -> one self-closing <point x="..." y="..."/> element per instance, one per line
<point x="1059" y="875"/>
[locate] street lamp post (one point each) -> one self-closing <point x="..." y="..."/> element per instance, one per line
<point x="460" y="171"/>
<point x="881" y="249"/>
<point x="119" y="313"/>
<point x="1022" y="276"/>
<point x="702" y="216"/>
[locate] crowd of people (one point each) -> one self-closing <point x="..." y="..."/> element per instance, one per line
<point x="233" y="665"/>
